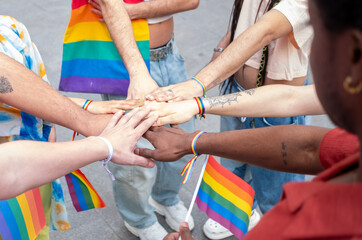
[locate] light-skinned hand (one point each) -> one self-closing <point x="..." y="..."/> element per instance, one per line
<point x="123" y="132"/>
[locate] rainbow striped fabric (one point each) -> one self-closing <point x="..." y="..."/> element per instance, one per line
<point x="225" y="198"/>
<point x="91" y="62"/>
<point x="82" y="193"/>
<point x="22" y="218"/>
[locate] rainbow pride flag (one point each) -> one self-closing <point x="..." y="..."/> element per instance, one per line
<point x="225" y="198"/>
<point x="82" y="193"/>
<point x="22" y="218"/>
<point x="91" y="62"/>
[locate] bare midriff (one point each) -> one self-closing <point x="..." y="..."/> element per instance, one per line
<point x="161" y="33"/>
<point x="247" y="78"/>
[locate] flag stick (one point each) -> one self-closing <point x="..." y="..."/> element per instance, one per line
<point x="196" y="189"/>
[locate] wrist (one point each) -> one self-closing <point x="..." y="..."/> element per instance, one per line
<point x="201" y="85"/>
<point x="192" y="140"/>
<point x="139" y="74"/>
<point x="109" y="157"/>
<point x="192" y="104"/>
<point x="100" y="149"/>
<point x="188" y="140"/>
<point x="200" y="106"/>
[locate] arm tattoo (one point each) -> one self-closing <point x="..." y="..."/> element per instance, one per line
<point x="5" y="86"/>
<point x="222" y="100"/>
<point x="284" y="153"/>
<point x="250" y="92"/>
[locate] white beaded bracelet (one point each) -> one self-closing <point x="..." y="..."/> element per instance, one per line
<point x="110" y="155"/>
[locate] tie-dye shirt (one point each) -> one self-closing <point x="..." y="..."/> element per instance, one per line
<point x="16" y="43"/>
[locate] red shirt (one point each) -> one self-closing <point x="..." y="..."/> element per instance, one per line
<point x="317" y="209"/>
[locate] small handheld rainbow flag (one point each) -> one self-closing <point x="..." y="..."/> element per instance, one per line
<point x="22" y="217"/>
<point x="224" y="197"/>
<point x="82" y="193"/>
<point x="91" y="62"/>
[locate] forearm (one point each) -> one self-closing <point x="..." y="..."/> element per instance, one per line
<point x="271" y="26"/>
<point x="78" y="101"/>
<point x="281" y="148"/>
<point x="28" y="164"/>
<point x="120" y="29"/>
<point x="31" y="94"/>
<point x="160" y="8"/>
<point x="267" y="101"/>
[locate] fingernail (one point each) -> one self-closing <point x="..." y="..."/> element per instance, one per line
<point x="184" y="224"/>
<point x="151" y="164"/>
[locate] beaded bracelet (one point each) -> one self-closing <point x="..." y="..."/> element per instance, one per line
<point x="189" y="166"/>
<point x="200" y="105"/>
<point x="201" y="84"/>
<point x="110" y="155"/>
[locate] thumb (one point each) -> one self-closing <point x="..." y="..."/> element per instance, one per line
<point x="144" y="152"/>
<point x="185" y="231"/>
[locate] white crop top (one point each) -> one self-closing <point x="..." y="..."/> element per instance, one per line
<point x="157" y="19"/>
<point x="288" y="56"/>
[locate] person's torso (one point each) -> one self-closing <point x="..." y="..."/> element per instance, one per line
<point x="161" y="30"/>
<point x="251" y="12"/>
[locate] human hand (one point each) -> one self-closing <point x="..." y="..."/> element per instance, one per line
<point x="176" y="92"/>
<point x="123" y="132"/>
<point x="113" y="106"/>
<point x="184" y="233"/>
<point x="140" y="86"/>
<point x="130" y="8"/>
<point x="96" y="9"/>
<point x="171" y="143"/>
<point x="174" y="112"/>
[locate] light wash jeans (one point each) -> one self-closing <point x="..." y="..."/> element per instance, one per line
<point x="266" y="183"/>
<point x="134" y="185"/>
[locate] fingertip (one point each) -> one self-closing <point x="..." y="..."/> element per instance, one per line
<point x="151" y="164"/>
<point x="158" y="123"/>
<point x="184" y="225"/>
<point x="150" y="97"/>
<point x="137" y="151"/>
<point x="120" y="112"/>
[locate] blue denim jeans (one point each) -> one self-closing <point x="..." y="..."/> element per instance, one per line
<point x="266" y="183"/>
<point x="134" y="185"/>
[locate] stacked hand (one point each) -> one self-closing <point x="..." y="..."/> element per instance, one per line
<point x="123" y="132"/>
<point x="171" y="143"/>
<point x="174" y="112"/>
<point x="113" y="106"/>
<point x="176" y="92"/>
